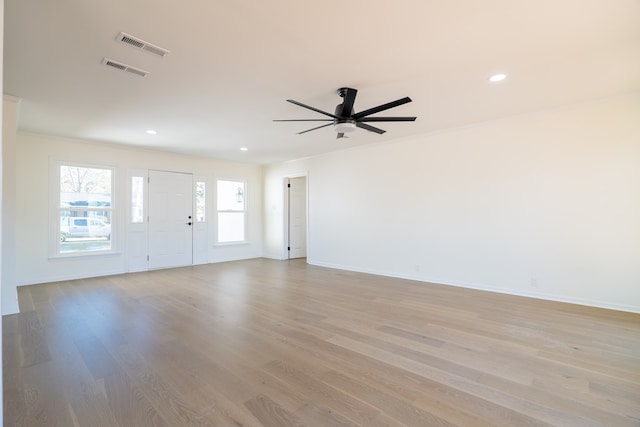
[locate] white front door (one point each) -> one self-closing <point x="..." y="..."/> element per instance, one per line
<point x="170" y="219"/>
<point x="298" y="217"/>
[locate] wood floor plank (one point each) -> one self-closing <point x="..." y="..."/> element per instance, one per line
<point x="323" y="394"/>
<point x="224" y="411"/>
<point x="167" y="402"/>
<point x="276" y="343"/>
<point x="401" y="410"/>
<point x="321" y="416"/>
<point x="32" y="339"/>
<point x="128" y="403"/>
<point x="45" y="404"/>
<point x="270" y="414"/>
<point x="25" y="301"/>
<point x="14" y="405"/>
<point x="97" y="358"/>
<point x="87" y="403"/>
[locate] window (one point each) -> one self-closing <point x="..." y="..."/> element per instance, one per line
<point x="231" y="211"/>
<point x="200" y="201"/>
<point x="137" y="199"/>
<point x="83" y="216"/>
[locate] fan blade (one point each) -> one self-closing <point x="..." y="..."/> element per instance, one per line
<point x="309" y="130"/>
<point x="340" y="135"/>
<point x="300" y="104"/>
<point x="370" y="128"/>
<point x="387" y="119"/>
<point x="347" y="104"/>
<point x="382" y="107"/>
<point x="304" y="120"/>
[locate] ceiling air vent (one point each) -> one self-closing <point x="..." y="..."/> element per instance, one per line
<point x="141" y="44"/>
<point x="124" y="67"/>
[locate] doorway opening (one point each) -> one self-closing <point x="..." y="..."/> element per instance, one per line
<point x="296" y="192"/>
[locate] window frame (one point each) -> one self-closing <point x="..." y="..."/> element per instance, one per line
<point x="244" y="212"/>
<point x="56" y="208"/>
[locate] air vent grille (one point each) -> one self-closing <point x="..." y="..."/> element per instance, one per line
<point x="124" y="67"/>
<point x="141" y="44"/>
<point x="131" y="41"/>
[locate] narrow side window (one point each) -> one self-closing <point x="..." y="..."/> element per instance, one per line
<point x="201" y="192"/>
<point x="137" y="199"/>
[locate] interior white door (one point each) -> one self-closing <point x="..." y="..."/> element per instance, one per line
<point x="170" y="219"/>
<point x="297" y="217"/>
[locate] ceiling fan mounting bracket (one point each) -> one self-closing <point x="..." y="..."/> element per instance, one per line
<point x="343" y="91"/>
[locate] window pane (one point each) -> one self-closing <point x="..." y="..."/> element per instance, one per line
<point x="230" y="227"/>
<point x="85" y="209"/>
<point x="137" y="199"/>
<point x="200" y="201"/>
<point x="85" y="187"/>
<point x="230" y="195"/>
<point x="80" y="233"/>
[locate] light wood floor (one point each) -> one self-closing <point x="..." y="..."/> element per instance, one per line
<point x="278" y="343"/>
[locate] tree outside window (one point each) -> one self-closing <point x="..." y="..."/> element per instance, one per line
<point x="201" y="191"/>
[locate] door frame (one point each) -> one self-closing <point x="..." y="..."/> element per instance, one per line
<point x="287" y="221"/>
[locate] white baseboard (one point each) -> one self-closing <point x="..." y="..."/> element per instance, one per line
<point x="77" y="276"/>
<point x="65" y="277"/>
<point x="482" y="287"/>
<point x="276" y="257"/>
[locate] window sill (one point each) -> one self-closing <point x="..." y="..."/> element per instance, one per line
<point x="77" y="255"/>
<point x="222" y="244"/>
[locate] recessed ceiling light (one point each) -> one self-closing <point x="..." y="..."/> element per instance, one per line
<point x="244" y="149"/>
<point x="497" y="77"/>
<point x="151" y="132"/>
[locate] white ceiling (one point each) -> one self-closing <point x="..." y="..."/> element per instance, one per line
<point x="234" y="63"/>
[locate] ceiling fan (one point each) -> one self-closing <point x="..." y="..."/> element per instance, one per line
<point x="345" y="120"/>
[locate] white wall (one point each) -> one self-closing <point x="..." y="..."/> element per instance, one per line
<point x="33" y="216"/>
<point x="1" y="195"/>
<point x="9" y="126"/>
<point x="545" y="204"/>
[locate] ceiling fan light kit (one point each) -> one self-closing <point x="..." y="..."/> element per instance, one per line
<point x="346" y="120"/>
<point x="344" y="127"/>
